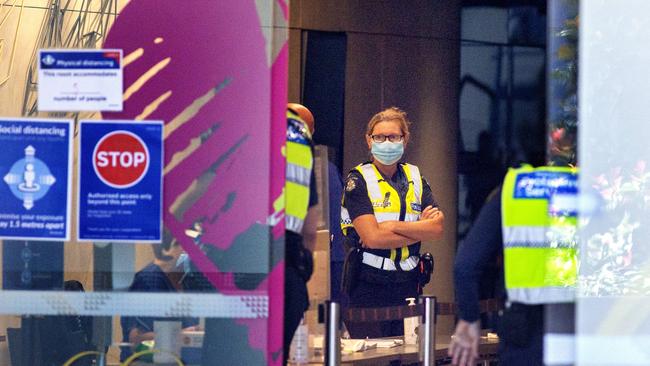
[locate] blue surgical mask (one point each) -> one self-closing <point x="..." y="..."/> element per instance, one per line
<point x="387" y="153"/>
<point x="183" y="262"/>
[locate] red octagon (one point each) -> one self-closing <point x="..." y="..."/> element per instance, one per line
<point x="121" y="159"/>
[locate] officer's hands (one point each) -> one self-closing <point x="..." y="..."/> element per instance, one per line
<point x="427" y="213"/>
<point x="463" y="349"/>
<point x="430" y="212"/>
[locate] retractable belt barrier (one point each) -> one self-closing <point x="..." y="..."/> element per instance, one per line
<point x="485" y="306"/>
<point x="382" y="313"/>
<point x="405" y="311"/>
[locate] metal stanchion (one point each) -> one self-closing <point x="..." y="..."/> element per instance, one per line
<point x="427" y="332"/>
<point x="101" y="359"/>
<point x="332" y="334"/>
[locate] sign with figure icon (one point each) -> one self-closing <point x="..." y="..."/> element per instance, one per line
<point x="120" y="181"/>
<point x="80" y="80"/>
<point x="35" y="167"/>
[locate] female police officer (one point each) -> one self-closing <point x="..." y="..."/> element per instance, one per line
<point x="387" y="210"/>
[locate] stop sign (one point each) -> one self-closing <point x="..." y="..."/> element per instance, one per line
<point x="120" y="159"/>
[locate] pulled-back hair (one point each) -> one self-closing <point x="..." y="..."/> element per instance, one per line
<point x="167" y="243"/>
<point x="390" y="114"/>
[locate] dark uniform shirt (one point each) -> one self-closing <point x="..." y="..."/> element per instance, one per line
<point x="480" y="247"/>
<point x="357" y="202"/>
<point x="149" y="279"/>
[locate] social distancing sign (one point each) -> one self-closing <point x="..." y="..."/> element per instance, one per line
<point x="35" y="168"/>
<point x="120" y="181"/>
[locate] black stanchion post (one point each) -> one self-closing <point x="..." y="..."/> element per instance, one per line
<point x="332" y="334"/>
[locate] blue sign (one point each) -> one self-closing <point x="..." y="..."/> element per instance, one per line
<point x="71" y="59"/>
<point x="35" y="167"/>
<point x="32" y="265"/>
<point x="543" y="185"/>
<point x="120" y="181"/>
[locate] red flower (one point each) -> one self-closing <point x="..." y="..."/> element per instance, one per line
<point x="558" y="134"/>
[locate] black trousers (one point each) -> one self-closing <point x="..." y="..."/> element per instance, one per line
<point x="296" y="302"/>
<point x="523" y="346"/>
<point x="370" y="294"/>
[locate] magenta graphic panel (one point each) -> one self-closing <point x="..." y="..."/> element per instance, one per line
<point x="209" y="72"/>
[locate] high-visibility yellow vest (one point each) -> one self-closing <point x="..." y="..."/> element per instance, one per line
<point x="538" y="212"/>
<point x="387" y="205"/>
<point x="300" y="162"/>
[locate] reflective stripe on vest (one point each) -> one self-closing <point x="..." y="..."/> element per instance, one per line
<point x="385" y="200"/>
<point x="300" y="163"/>
<point x="539" y="208"/>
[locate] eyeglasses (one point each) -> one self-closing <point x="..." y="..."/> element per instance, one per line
<point x="391" y="138"/>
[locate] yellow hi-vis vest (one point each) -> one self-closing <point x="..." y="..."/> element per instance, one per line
<point x="300" y="162"/>
<point x="539" y="209"/>
<point x="386" y="202"/>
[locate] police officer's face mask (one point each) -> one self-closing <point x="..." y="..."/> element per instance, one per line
<point x="387" y="153"/>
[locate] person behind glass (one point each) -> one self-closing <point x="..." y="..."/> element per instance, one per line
<point x="300" y="218"/>
<point x="387" y="210"/>
<point x="521" y="323"/>
<point x="164" y="274"/>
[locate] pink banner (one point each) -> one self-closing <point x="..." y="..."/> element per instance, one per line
<point x="206" y="71"/>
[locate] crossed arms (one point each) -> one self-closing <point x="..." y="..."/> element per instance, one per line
<point x="396" y="234"/>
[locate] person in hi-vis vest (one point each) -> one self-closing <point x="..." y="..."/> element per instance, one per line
<point x="387" y="210"/>
<point x="532" y="221"/>
<point x="301" y="218"/>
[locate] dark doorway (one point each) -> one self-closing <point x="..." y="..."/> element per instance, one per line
<point x="323" y="87"/>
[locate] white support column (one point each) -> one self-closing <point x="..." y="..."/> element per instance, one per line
<point x="612" y="312"/>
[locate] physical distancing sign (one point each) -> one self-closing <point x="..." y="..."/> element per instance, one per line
<point x="80" y="80"/>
